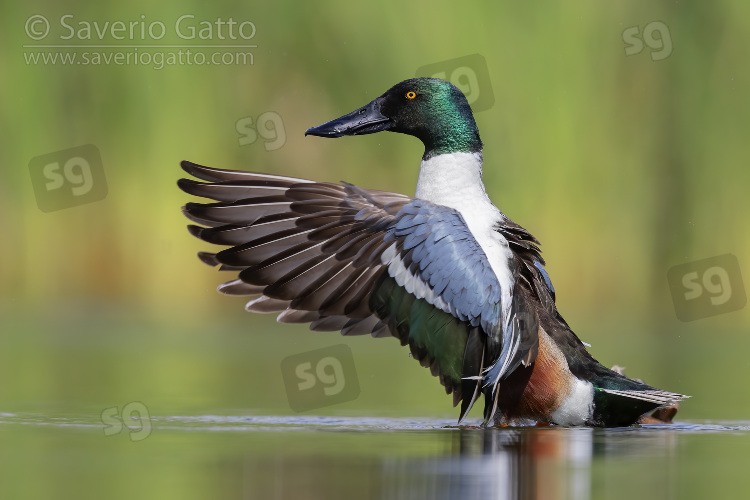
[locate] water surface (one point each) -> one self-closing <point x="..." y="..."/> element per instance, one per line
<point x="280" y="457"/>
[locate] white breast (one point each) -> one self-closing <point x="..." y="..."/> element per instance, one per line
<point x="455" y="180"/>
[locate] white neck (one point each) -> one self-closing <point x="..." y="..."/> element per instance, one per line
<point x="453" y="180"/>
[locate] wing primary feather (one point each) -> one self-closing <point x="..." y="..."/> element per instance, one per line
<point x="471" y="383"/>
<point x="220" y="175"/>
<point x="209" y="258"/>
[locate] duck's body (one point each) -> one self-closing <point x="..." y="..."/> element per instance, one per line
<point x="444" y="271"/>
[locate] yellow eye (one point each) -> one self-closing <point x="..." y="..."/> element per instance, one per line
<point x="411" y="95"/>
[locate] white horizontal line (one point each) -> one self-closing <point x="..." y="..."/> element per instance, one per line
<point x="139" y="46"/>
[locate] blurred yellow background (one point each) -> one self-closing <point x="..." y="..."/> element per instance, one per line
<point x="624" y="161"/>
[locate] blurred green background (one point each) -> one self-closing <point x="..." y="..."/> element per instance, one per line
<point x="621" y="165"/>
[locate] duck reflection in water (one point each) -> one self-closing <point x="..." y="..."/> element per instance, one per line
<point x="539" y="463"/>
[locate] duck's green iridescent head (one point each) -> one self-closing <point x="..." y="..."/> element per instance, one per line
<point x="433" y="110"/>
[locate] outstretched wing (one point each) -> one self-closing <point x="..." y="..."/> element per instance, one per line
<point x="363" y="261"/>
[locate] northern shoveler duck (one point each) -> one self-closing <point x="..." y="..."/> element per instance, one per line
<point x="444" y="271"/>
